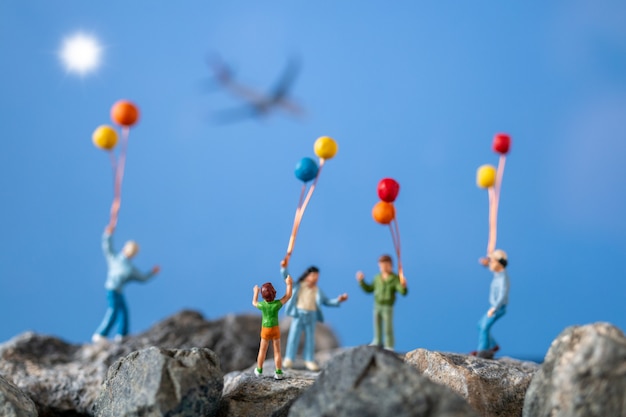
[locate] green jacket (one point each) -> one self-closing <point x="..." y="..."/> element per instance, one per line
<point x="384" y="290"/>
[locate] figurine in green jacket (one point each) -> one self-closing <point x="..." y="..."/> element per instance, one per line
<point x="384" y="287"/>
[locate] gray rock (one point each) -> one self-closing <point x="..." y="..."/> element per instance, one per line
<point x="584" y="374"/>
<point x="494" y="388"/>
<point x="64" y="379"/>
<point x="158" y="382"/>
<point x="367" y="381"/>
<point x="13" y="402"/>
<point x="248" y="395"/>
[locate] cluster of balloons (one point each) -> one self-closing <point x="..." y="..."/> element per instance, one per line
<point x="307" y="170"/>
<point x="490" y="177"/>
<point x="384" y="212"/>
<point x="124" y="114"/>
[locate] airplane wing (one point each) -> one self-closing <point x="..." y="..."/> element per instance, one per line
<point x="286" y="80"/>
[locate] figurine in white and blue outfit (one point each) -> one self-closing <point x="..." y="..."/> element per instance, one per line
<point x="498" y="298"/>
<point x="121" y="271"/>
<point x="305" y="309"/>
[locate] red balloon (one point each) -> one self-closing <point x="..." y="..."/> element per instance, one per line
<point x="388" y="189"/>
<point x="501" y="143"/>
<point x="124" y="113"/>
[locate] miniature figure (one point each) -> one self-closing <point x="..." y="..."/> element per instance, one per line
<point x="270" y="330"/>
<point x="498" y="298"/>
<point x="384" y="287"/>
<point x="120" y="272"/>
<point x="305" y="309"/>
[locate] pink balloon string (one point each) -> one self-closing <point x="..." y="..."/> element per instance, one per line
<point x="302" y="205"/>
<point x="494" y="203"/>
<point x="119" y="177"/>
<point x="395" y="237"/>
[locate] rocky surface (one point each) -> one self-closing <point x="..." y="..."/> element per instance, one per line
<point x="248" y="395"/>
<point x="162" y="382"/>
<point x="367" y="381"/>
<point x="494" y="388"/>
<point x="584" y="374"/>
<point x="13" y="402"/>
<point x="64" y="379"/>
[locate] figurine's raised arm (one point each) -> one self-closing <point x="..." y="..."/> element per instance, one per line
<point x="287" y="296"/>
<point x="107" y="242"/>
<point x="255" y="297"/>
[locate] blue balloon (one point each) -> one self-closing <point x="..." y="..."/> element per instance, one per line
<point x="306" y="169"/>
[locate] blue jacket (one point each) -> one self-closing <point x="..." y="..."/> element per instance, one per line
<point x="291" y="308"/>
<point x="120" y="268"/>
<point x="499" y="294"/>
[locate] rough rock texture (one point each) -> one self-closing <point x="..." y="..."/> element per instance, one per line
<point x="64" y="379"/>
<point x="13" y="402"/>
<point x="367" y="381"/>
<point x="494" y="388"/>
<point x="584" y="374"/>
<point x="158" y="382"/>
<point x="248" y="395"/>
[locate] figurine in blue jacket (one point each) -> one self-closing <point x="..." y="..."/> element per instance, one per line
<point x="498" y="298"/>
<point x="120" y="272"/>
<point x="305" y="309"/>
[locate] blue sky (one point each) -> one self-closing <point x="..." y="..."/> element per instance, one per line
<point x="409" y="90"/>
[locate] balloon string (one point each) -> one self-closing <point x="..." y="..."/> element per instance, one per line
<point x="113" y="167"/>
<point x="294" y="229"/>
<point x="300" y="212"/>
<point x="395" y="235"/>
<point x="499" y="175"/>
<point x="119" y="177"/>
<point x="491" y="245"/>
<point x="494" y="204"/>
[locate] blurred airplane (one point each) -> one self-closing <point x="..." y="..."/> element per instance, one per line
<point x="257" y="103"/>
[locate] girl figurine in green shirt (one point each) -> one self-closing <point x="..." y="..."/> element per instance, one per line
<point x="269" y="325"/>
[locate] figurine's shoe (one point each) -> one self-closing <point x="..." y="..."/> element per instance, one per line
<point x="473" y="353"/>
<point x="389" y="348"/>
<point x="287" y="363"/>
<point x="495" y="348"/>
<point x="118" y="338"/>
<point x="279" y="374"/>
<point x="98" y="338"/>
<point x="485" y="354"/>
<point x="258" y="371"/>
<point x="311" y="366"/>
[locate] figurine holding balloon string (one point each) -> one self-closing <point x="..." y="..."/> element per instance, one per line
<point x="384" y="212"/>
<point x="307" y="170"/>
<point x="125" y="114"/>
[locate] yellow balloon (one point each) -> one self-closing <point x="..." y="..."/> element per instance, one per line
<point x="486" y="176"/>
<point x="104" y="137"/>
<point x="325" y="147"/>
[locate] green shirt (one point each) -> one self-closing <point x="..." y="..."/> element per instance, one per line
<point x="384" y="290"/>
<point x="269" y="311"/>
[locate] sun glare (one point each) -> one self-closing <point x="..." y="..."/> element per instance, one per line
<point x="81" y="53"/>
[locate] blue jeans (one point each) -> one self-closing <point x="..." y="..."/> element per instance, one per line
<point x="485" y="341"/>
<point x="117" y="312"/>
<point x="305" y="322"/>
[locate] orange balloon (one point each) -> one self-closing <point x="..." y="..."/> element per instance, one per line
<point x="384" y="212"/>
<point x="124" y="113"/>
